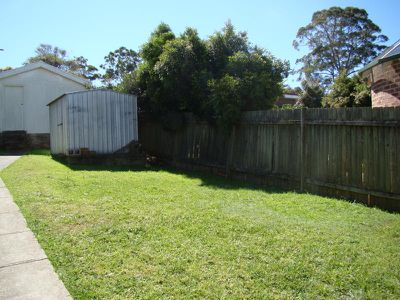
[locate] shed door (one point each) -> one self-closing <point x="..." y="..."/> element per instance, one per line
<point x="13" y="108"/>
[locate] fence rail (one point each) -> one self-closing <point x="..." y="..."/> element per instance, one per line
<point x="352" y="153"/>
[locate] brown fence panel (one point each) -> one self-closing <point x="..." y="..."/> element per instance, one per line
<point x="349" y="152"/>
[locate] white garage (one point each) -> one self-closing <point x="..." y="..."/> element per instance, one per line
<point x="24" y="95"/>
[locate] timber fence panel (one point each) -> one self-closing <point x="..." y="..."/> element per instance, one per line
<point x="348" y="152"/>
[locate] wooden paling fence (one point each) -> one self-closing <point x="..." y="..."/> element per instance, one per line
<point x="351" y="153"/>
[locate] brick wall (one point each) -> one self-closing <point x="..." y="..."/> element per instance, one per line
<point x="21" y="141"/>
<point x="39" y="140"/>
<point x="385" y="89"/>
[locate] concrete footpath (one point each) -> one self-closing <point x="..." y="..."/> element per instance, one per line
<point x="25" y="271"/>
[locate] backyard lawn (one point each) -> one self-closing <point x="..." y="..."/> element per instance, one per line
<point x="114" y="233"/>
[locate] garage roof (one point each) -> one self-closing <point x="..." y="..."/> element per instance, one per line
<point x="43" y="65"/>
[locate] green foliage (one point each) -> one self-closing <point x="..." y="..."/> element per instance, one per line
<point x="5" y="69"/>
<point x="252" y="82"/>
<point x="311" y="95"/>
<point x="186" y="74"/>
<point x="339" y="40"/>
<point x="54" y="56"/>
<point x="145" y="80"/>
<point x="182" y="70"/>
<point x="79" y="65"/>
<point x="348" y="92"/>
<point x="288" y="106"/>
<point x="122" y="233"/>
<point x="117" y="64"/>
<point x="223" y="44"/>
<point x="225" y="100"/>
<point x="58" y="58"/>
<point x="152" y="50"/>
<point x="292" y="91"/>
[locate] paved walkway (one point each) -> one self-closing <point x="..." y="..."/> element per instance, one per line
<point x="6" y="160"/>
<point x="25" y="271"/>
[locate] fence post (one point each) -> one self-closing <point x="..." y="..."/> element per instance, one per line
<point x="230" y="152"/>
<point x="302" y="148"/>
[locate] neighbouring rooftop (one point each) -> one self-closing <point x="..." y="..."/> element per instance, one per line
<point x="389" y="53"/>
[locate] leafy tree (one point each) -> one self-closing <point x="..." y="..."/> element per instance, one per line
<point x="223" y="44"/>
<point x="152" y="50"/>
<point x="54" y="56"/>
<point x="145" y="81"/>
<point x="339" y="40"/>
<point x="182" y="69"/>
<point x="58" y="58"/>
<point x="311" y="95"/>
<point x="214" y="78"/>
<point x="251" y="82"/>
<point x="292" y="91"/>
<point x="117" y="64"/>
<point x="5" y="69"/>
<point x="348" y="92"/>
<point x="225" y="100"/>
<point x="79" y="65"/>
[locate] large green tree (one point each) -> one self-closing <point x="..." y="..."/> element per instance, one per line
<point x="152" y="50"/>
<point x="348" y="92"/>
<point x="54" y="56"/>
<point x="58" y="58"/>
<point x="117" y="64"/>
<point x="311" y="95"/>
<point x="182" y="70"/>
<point x="251" y="81"/>
<point x="145" y="80"/>
<point x="214" y="78"/>
<point x="5" y="69"/>
<point x="223" y="44"/>
<point x="339" y="41"/>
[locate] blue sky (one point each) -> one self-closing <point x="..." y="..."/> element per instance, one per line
<point x="93" y="28"/>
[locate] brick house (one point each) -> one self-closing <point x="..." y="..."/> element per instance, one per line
<point x="383" y="75"/>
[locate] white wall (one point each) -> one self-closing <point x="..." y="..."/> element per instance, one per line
<point x="39" y="88"/>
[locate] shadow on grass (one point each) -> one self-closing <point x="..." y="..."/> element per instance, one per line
<point x="11" y="153"/>
<point x="30" y="152"/>
<point x="207" y="179"/>
<point x="45" y="152"/>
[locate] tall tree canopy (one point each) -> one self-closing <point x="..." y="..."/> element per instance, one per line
<point x="117" y="64"/>
<point x="348" y="92"/>
<point x="54" y="56"/>
<point x="5" y="69"/>
<point x="292" y="90"/>
<point x="145" y="81"/>
<point x="311" y="95"/>
<point x="152" y="50"/>
<point x="58" y="58"/>
<point x="339" y="40"/>
<point x="223" y="44"/>
<point x="182" y="70"/>
<point x="250" y="81"/>
<point x="218" y="77"/>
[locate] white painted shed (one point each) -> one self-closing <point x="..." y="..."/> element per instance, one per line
<point x="102" y="121"/>
<point x="25" y="92"/>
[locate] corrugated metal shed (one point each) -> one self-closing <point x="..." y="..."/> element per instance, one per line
<point x="103" y="121"/>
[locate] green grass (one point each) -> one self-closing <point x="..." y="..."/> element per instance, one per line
<point x="149" y="233"/>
